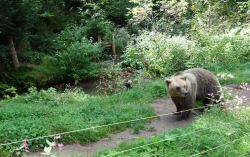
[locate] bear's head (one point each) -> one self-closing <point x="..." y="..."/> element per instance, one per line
<point x="178" y="86"/>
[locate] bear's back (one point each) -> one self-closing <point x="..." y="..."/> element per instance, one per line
<point x="206" y="82"/>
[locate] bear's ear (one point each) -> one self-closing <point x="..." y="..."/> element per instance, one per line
<point x="183" y="78"/>
<point x="178" y="73"/>
<point x="167" y="82"/>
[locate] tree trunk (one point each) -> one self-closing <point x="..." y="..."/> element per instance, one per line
<point x="13" y="52"/>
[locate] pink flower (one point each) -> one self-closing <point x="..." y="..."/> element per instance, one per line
<point x="25" y="144"/>
<point x="222" y="75"/>
<point x="60" y="145"/>
<point x="228" y="102"/>
<point x="210" y="94"/>
<point x="53" y="144"/>
<point x="236" y="107"/>
<point x="243" y="99"/>
<point x="58" y="137"/>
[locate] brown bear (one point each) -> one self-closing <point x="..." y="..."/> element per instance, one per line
<point x="192" y="85"/>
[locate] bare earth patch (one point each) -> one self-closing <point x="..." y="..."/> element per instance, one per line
<point x="157" y="126"/>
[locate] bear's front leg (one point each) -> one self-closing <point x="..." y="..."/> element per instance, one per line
<point x="184" y="115"/>
<point x="178" y="105"/>
<point x="187" y="105"/>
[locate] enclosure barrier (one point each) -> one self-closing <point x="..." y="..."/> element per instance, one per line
<point x="151" y="117"/>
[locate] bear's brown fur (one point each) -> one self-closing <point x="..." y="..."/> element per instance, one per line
<point x="192" y="85"/>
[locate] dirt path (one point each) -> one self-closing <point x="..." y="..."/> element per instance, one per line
<point x="157" y="126"/>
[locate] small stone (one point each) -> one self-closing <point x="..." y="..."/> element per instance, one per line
<point x="106" y="139"/>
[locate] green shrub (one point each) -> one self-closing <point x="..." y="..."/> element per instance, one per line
<point x="121" y="39"/>
<point x="232" y="47"/>
<point x="31" y="57"/>
<point x="158" y="53"/>
<point x="42" y="96"/>
<point x="7" y="91"/>
<point x="98" y="27"/>
<point x="77" y="56"/>
<point x="161" y="55"/>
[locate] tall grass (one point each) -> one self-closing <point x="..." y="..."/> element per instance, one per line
<point x="29" y="116"/>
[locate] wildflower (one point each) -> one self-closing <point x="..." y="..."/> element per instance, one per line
<point x="211" y="94"/>
<point x="25" y="144"/>
<point x="222" y="75"/>
<point x="58" y="137"/>
<point x="60" y="145"/>
<point x="228" y="102"/>
<point x="230" y="76"/>
<point x="236" y="107"/>
<point x="53" y="144"/>
<point x="243" y="99"/>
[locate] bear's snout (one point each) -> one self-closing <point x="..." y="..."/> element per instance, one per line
<point x="185" y="93"/>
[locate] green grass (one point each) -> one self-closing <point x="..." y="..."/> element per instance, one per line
<point x="240" y="71"/>
<point x="29" y="116"/>
<point x="216" y="128"/>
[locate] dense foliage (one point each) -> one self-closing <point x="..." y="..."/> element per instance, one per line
<point x="161" y="54"/>
<point x="67" y="31"/>
<point x="158" y="53"/>
<point x="76" y="54"/>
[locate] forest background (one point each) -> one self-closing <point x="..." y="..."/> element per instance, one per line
<point x="56" y="41"/>
<point x="48" y="47"/>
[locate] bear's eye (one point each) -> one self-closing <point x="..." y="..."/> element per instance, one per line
<point x="178" y="88"/>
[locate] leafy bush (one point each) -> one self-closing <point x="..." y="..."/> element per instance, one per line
<point x="232" y="47"/>
<point x="121" y="39"/>
<point x="32" y="57"/>
<point x="42" y="96"/>
<point x="158" y="53"/>
<point x="77" y="56"/>
<point x="7" y="91"/>
<point x="98" y="27"/>
<point x="51" y="97"/>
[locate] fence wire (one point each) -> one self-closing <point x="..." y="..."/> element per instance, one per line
<point x="123" y="122"/>
<point x="100" y="126"/>
<point x="124" y="151"/>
